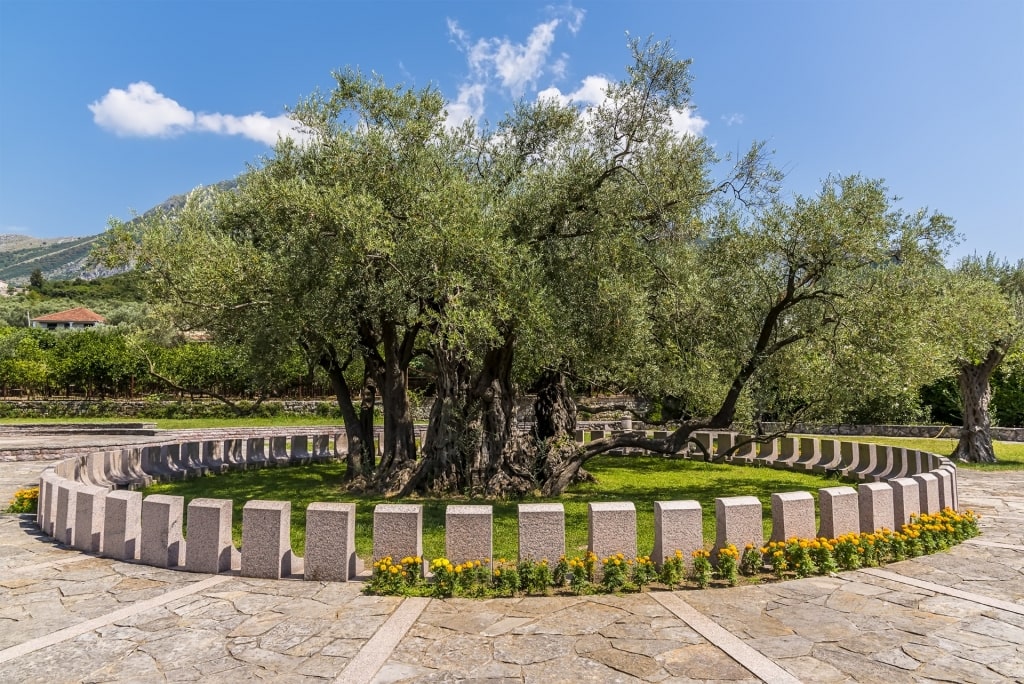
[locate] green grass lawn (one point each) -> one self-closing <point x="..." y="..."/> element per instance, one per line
<point x="640" y="479"/>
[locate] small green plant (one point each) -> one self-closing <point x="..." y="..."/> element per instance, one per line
<point x="701" y="570"/>
<point x="798" y="557"/>
<point x="560" y="575"/>
<point x="444" y="577"/>
<point x="614" y="571"/>
<point x="26" y="500"/>
<point x="728" y="564"/>
<point x="535" y="576"/>
<point x="752" y="561"/>
<point x="673" y="570"/>
<point x="644" y="572"/>
<point x="577" y="576"/>
<point x="848" y="551"/>
<point x="775" y="558"/>
<point x="821" y="554"/>
<point x="506" y="578"/>
<point x="395" y="579"/>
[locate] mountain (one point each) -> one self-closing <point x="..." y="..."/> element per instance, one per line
<point x="65" y="258"/>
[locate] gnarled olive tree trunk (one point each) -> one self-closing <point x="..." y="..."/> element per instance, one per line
<point x="472" y="446"/>
<point x="975" y="445"/>
<point x="399" y="452"/>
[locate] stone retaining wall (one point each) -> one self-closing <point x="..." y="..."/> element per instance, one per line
<point x="89" y="501"/>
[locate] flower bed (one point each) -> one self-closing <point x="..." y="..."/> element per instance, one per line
<point x="588" y="574"/>
<point x="25" y="500"/>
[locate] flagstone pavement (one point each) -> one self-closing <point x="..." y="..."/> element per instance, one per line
<point x="956" y="616"/>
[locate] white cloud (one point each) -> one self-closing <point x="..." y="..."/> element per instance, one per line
<point x="468" y="105"/>
<point x="458" y="35"/>
<point x="575" y="19"/>
<point x="686" y="121"/>
<point x="256" y="127"/>
<point x="734" y="119"/>
<point x="141" y="111"/>
<point x="517" y="65"/>
<point x="512" y="66"/>
<point x="592" y="91"/>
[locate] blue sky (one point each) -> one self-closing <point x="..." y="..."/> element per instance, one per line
<point x="109" y="106"/>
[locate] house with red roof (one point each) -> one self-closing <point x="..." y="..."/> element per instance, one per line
<point x="74" y="319"/>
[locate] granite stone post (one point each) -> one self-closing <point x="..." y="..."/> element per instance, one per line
<point x="678" y="526"/>
<point x="162" y="543"/>
<point x="884" y="462"/>
<point x="899" y="463"/>
<point x="397" y="531"/>
<point x="865" y="463"/>
<point x="209" y="548"/>
<point x="300" y="450"/>
<point x="810" y="453"/>
<point x="788" y="452"/>
<point x="541" y="531"/>
<point x="234" y="454"/>
<point x="769" y="451"/>
<point x="840" y="513"/>
<point x="64" y="523"/>
<point x="737" y="521"/>
<point x="255" y="453"/>
<point x="792" y="516"/>
<point x="192" y="456"/>
<point x="611" y="528"/>
<point x="949" y="467"/>
<point x="213" y="457"/>
<point x="468" y="534"/>
<point x="876" y="503"/>
<point x="847" y="457"/>
<point x="906" y="500"/>
<point x="724" y="442"/>
<point x="705" y="440"/>
<point x="89" y="511"/>
<point x="279" y="451"/>
<point x="266" y="539"/>
<point x="831" y="457"/>
<point x="928" y="487"/>
<point x="747" y="451"/>
<point x="122" y="525"/>
<point x="945" y="487"/>
<point x="47" y="510"/>
<point x="331" y="542"/>
<point x="321" y="448"/>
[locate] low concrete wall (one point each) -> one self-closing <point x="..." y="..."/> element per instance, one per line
<point x="74" y="493"/>
<point x="1003" y="434"/>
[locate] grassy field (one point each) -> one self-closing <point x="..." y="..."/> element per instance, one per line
<point x="640" y="479"/>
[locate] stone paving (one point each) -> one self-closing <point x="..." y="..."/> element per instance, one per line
<point x="69" y="617"/>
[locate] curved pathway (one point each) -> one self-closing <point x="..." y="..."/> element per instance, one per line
<point x="952" y="617"/>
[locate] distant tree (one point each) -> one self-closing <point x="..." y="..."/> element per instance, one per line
<point x="985" y="319"/>
<point x="36" y="281"/>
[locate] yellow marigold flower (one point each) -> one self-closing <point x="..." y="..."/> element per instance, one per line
<point x="748" y="547"/>
<point x="497" y="573"/>
<point x="804" y="545"/>
<point x="394" y="570"/>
